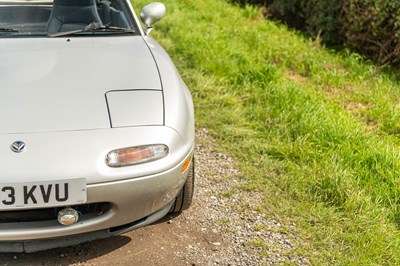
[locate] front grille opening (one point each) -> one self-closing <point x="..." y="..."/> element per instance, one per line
<point x="50" y="214"/>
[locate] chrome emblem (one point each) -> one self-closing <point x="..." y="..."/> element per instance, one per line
<point x="18" y="146"/>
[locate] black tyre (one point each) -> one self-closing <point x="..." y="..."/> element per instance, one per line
<point x="185" y="196"/>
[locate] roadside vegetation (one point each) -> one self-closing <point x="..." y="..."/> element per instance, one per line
<point x="315" y="131"/>
<point x="370" y="27"/>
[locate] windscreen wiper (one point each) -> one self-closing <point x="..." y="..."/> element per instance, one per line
<point x="7" y="30"/>
<point x="92" y="27"/>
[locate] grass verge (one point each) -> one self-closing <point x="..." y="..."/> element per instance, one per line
<point x="314" y="130"/>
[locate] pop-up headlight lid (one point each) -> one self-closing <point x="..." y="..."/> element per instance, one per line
<point x="136" y="155"/>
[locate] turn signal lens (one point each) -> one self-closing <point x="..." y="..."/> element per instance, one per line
<point x="185" y="166"/>
<point x="136" y="155"/>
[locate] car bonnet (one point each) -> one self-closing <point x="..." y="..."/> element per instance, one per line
<point x="59" y="84"/>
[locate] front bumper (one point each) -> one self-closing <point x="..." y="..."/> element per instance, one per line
<point x="135" y="196"/>
<point x="31" y="246"/>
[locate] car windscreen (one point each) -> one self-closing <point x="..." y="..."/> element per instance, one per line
<point x="30" y="18"/>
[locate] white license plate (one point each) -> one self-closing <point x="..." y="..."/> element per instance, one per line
<point x="42" y="194"/>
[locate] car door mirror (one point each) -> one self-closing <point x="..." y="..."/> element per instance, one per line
<point x="152" y="13"/>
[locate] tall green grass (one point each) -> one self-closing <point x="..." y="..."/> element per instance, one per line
<point x="313" y="130"/>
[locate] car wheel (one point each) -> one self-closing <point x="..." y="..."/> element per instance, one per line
<point x="185" y="196"/>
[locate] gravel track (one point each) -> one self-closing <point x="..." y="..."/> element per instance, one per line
<point x="221" y="228"/>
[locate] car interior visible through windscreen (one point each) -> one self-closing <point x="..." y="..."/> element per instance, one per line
<point x="44" y="18"/>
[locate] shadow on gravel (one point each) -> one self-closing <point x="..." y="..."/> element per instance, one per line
<point x="76" y="254"/>
<point x="66" y="256"/>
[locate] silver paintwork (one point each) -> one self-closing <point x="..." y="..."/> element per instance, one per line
<point x="152" y="13"/>
<point x="133" y="199"/>
<point x="60" y="85"/>
<point x="178" y="103"/>
<point x="73" y="108"/>
<point x="124" y="107"/>
<point x="30" y="246"/>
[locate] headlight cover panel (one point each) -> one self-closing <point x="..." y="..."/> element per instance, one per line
<point x="129" y="108"/>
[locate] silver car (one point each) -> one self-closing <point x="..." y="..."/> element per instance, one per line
<point x="97" y="127"/>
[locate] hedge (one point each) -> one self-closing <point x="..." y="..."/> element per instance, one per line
<point x="371" y="27"/>
<point x="317" y="17"/>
